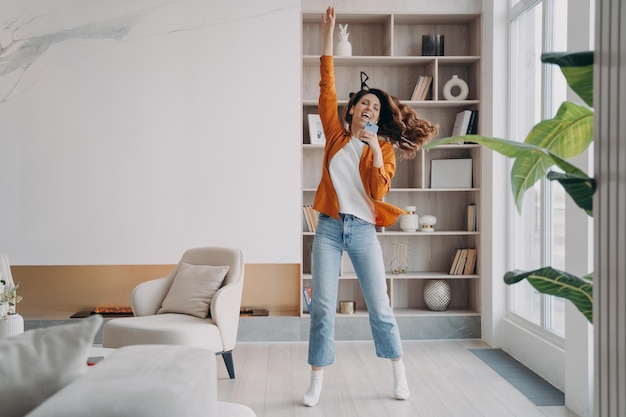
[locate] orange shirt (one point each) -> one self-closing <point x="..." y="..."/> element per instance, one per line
<point x="376" y="181"/>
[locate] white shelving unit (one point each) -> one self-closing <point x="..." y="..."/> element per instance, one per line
<point x="387" y="47"/>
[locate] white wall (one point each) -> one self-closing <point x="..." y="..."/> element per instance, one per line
<point x="131" y="130"/>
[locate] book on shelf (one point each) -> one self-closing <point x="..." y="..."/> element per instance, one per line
<point x="416" y="89"/>
<point x="471" y="217"/>
<point x="455" y="261"/>
<point x="470" y="263"/>
<point x="306" y="292"/>
<point x="422" y="87"/>
<point x="461" y="123"/>
<point x="463" y="261"/>
<point x="310" y="216"/>
<point x="472" y="127"/>
<point x="307" y="220"/>
<point x="425" y="88"/>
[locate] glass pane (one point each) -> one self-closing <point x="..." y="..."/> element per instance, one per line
<point x="526" y="72"/>
<point x="558" y="225"/>
<point x="527" y="301"/>
<point x="526" y="106"/>
<point x="556" y="305"/>
<point x="557" y="316"/>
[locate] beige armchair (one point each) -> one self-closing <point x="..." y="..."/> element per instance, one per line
<point x="156" y="305"/>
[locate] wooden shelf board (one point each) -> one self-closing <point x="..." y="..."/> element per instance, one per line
<point x="414" y="312"/>
<point x="424" y="312"/>
<point x="313" y="16"/>
<point x="427" y="234"/>
<point x="437" y="190"/>
<point x="437" y="104"/>
<point x="411" y="275"/>
<point x="392" y="61"/>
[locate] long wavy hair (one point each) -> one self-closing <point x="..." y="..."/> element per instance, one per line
<point x="399" y="124"/>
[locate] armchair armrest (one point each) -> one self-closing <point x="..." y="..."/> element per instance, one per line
<point x="147" y="297"/>
<point x="225" y="309"/>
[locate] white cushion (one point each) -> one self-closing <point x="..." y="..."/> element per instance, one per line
<point x="36" y="364"/>
<point x="192" y="289"/>
<point x="165" y="329"/>
<point x="136" y="381"/>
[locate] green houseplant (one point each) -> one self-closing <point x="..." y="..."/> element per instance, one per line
<point x="550" y="143"/>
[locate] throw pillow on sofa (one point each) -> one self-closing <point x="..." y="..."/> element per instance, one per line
<point x="36" y="364"/>
<point x="193" y="289"/>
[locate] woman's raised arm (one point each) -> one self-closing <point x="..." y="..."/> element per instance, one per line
<point x="328" y="28"/>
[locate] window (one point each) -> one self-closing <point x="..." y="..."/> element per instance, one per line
<point x="537" y="90"/>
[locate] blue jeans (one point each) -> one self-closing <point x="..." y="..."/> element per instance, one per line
<point x="358" y="238"/>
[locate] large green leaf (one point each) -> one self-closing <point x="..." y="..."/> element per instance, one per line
<point x="505" y="147"/>
<point x="567" y="134"/>
<point x="560" y="284"/>
<point x="566" y="166"/>
<point x="580" y="189"/>
<point x="576" y="183"/>
<point x="577" y="67"/>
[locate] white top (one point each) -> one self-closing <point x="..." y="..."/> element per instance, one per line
<point x="344" y="173"/>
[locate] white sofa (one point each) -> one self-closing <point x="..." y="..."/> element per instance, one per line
<point x="44" y="374"/>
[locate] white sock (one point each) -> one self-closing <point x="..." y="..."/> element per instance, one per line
<point x="400" y="385"/>
<point x="312" y="394"/>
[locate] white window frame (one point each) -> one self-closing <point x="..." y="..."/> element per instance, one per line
<point x="543" y="329"/>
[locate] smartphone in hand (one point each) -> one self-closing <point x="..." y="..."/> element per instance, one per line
<point x="371" y="127"/>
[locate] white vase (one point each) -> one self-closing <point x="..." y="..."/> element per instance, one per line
<point x="12" y="326"/>
<point x="453" y="82"/>
<point x="409" y="222"/>
<point x="428" y="222"/>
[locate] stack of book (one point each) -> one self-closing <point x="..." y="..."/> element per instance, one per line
<point x="463" y="261"/>
<point x="466" y="123"/>
<point x="422" y="87"/>
<point x="310" y="218"/>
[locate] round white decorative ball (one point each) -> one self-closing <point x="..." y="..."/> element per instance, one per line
<point x="437" y="294"/>
<point x="455" y="81"/>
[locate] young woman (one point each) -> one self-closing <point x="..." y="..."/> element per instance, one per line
<point x="358" y="165"/>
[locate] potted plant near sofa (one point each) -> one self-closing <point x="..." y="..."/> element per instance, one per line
<point x="11" y="323"/>
<point x="550" y="143"/>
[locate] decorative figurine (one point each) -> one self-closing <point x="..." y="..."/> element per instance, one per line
<point x="409" y="222"/>
<point x="428" y="221"/>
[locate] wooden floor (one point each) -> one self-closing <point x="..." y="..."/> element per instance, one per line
<point x="445" y="379"/>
